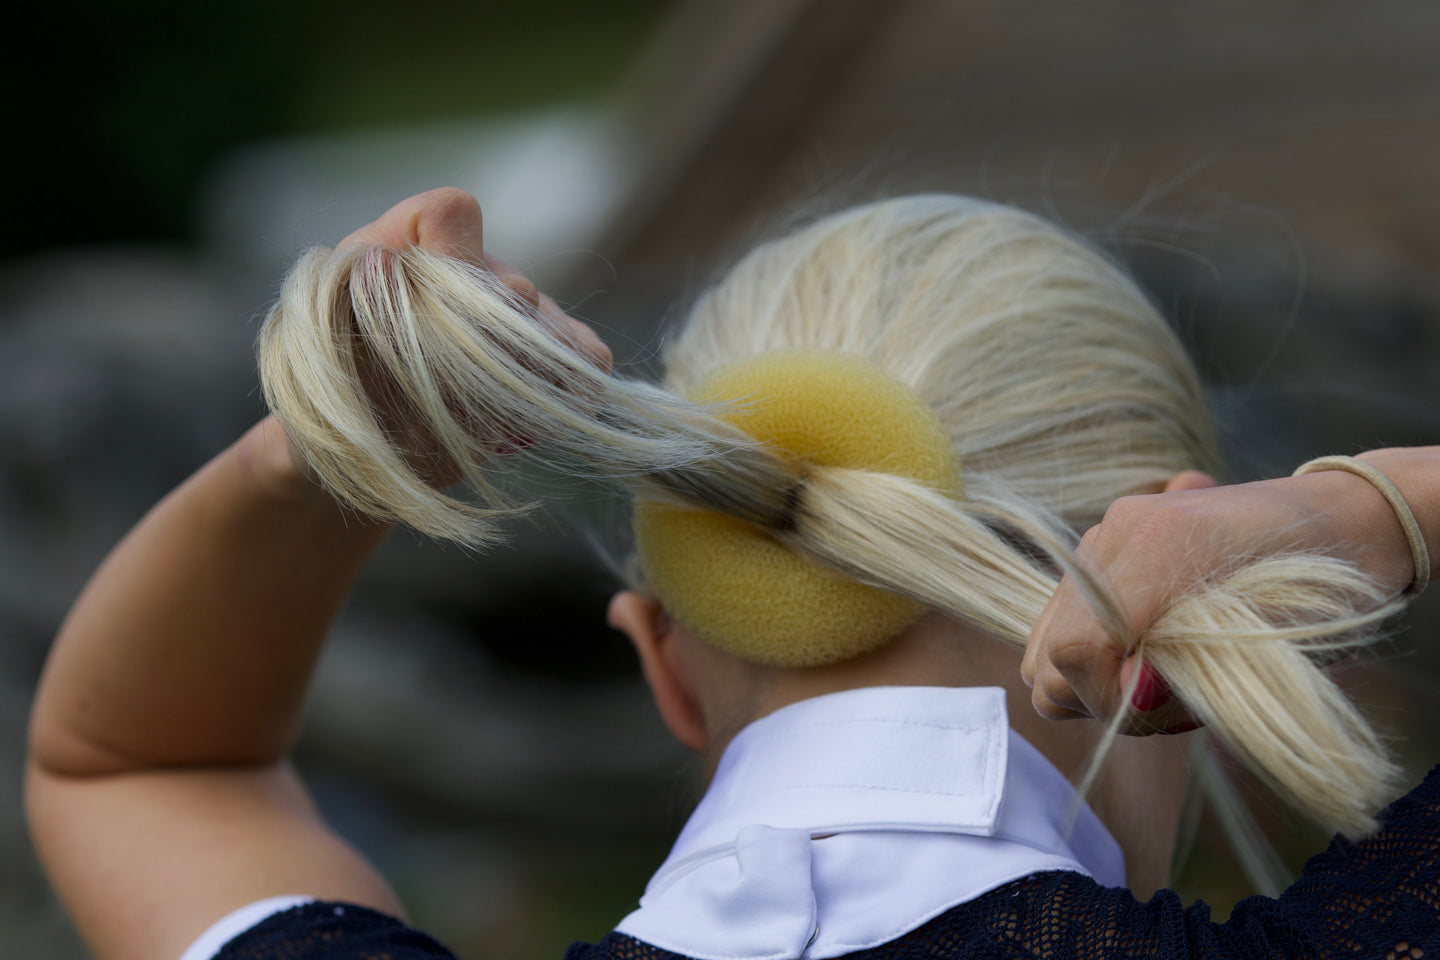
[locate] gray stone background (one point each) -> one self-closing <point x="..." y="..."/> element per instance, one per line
<point x="1270" y="170"/>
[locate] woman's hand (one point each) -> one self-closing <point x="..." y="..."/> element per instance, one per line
<point x="448" y="221"/>
<point x="1150" y="549"/>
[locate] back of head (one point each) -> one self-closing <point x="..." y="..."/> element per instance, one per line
<point x="1055" y="379"/>
<point x="1056" y="385"/>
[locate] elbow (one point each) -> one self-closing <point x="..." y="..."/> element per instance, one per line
<point x="54" y="747"/>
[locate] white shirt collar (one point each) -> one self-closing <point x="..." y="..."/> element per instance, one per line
<point x="842" y="822"/>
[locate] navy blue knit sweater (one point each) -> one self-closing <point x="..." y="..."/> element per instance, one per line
<point x="1378" y="898"/>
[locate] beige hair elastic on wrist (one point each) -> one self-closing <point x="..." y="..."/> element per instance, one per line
<point x="1419" y="551"/>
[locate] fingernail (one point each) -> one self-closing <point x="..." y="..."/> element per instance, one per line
<point x="1185" y="727"/>
<point x="1151" y="690"/>
<point x="514" y="443"/>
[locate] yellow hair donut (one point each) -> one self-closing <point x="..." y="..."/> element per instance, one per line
<point x="735" y="586"/>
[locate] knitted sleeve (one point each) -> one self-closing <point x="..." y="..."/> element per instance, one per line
<point x="1378" y="898"/>
<point x="332" y="931"/>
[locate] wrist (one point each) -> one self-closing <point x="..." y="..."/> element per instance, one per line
<point x="1348" y="518"/>
<point x="277" y="467"/>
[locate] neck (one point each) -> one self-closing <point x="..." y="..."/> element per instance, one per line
<point x="1138" y="795"/>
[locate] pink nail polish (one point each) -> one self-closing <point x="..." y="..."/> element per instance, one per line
<point x="1151" y="691"/>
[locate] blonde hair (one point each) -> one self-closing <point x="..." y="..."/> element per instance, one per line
<point x="1060" y="387"/>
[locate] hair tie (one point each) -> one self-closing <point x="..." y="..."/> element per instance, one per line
<point x="735" y="585"/>
<point x="1419" y="552"/>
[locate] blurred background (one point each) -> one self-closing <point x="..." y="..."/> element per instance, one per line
<point x="1270" y="170"/>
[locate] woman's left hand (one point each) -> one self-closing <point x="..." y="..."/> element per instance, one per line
<point x="449" y="221"/>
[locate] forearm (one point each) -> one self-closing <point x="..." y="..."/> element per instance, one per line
<point x="194" y="641"/>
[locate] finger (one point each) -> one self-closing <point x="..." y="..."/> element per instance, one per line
<point x="1065" y="595"/>
<point x="1050" y="692"/>
<point x="1142" y="554"/>
<point x="1034" y="647"/>
<point x="521" y="285"/>
<point x="1053" y="698"/>
<point x="446" y="221"/>
<point x="1048" y="711"/>
<point x="1082" y="671"/>
<point x="579" y="334"/>
<point x="1053" y="694"/>
<point x="1152" y="708"/>
<point x="1077" y="660"/>
<point x="449" y="221"/>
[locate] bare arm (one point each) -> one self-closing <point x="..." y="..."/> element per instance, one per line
<point x="157" y="789"/>
<point x="194" y="641"/>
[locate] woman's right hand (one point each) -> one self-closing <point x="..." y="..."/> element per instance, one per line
<point x="1150" y="549"/>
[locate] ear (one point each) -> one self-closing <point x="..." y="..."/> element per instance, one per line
<point x="652" y="632"/>
<point x="1190" y="480"/>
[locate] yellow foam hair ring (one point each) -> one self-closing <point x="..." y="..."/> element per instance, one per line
<point x="734" y="585"/>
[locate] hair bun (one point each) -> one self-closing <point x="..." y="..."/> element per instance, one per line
<point x="735" y="585"/>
